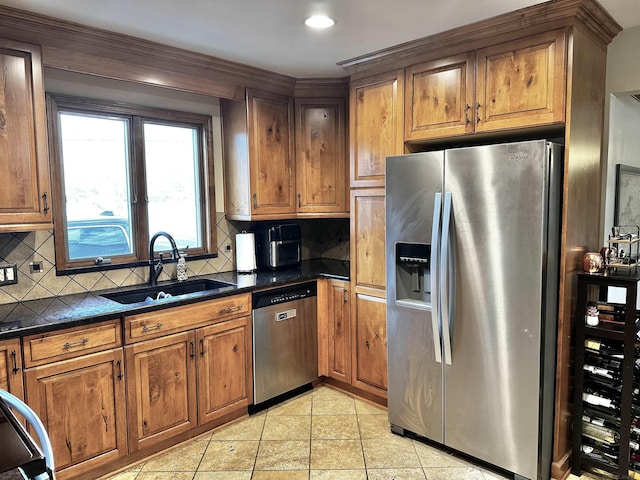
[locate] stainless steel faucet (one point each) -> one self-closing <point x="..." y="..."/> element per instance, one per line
<point x="155" y="268"/>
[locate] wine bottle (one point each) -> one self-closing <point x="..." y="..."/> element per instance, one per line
<point x="602" y="434"/>
<point x="604" y="347"/>
<point x="601" y="397"/>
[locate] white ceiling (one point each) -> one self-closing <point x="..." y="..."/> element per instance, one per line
<point x="271" y="34"/>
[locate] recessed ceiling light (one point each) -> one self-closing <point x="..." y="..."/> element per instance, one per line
<point x="319" y="21"/>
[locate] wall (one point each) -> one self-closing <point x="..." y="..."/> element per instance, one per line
<point x="322" y="238"/>
<point x="622" y="124"/>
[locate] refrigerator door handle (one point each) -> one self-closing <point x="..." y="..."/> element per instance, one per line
<point x="445" y="276"/>
<point x="435" y="290"/>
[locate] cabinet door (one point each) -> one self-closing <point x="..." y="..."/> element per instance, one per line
<point x="11" y="367"/>
<point x="82" y="406"/>
<point x="375" y="126"/>
<point x="367" y="237"/>
<point x="321" y="174"/>
<point x="370" y="344"/>
<point x="161" y="388"/>
<point x="223" y="368"/>
<point x="439" y="98"/>
<point x="25" y="194"/>
<point x="339" y="332"/>
<point x="521" y="83"/>
<point x="271" y="153"/>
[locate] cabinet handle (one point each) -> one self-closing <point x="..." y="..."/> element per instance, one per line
<point x="366" y="344"/>
<point x="299" y="201"/>
<point x="80" y="343"/>
<point x="230" y="309"/>
<point x="148" y="328"/>
<point x="202" y="347"/>
<point x="46" y="204"/>
<point x="193" y="350"/>
<point x="119" y="364"/>
<point x="478" y="111"/>
<point x="344" y="295"/>
<point x="255" y="201"/>
<point x="14" y="357"/>
<point x="467" y="107"/>
<point x="235" y="348"/>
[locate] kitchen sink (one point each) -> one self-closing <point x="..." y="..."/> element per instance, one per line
<point x="163" y="292"/>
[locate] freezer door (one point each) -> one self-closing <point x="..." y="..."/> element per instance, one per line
<point x="413" y="341"/>
<point x="495" y="269"/>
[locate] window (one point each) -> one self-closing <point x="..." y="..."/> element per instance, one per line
<point x="121" y="174"/>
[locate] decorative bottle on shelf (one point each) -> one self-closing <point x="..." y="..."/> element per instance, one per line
<point x="181" y="268"/>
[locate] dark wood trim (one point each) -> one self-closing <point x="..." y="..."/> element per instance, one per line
<point x="79" y="48"/>
<point x="509" y="26"/>
<point x="322" y="87"/>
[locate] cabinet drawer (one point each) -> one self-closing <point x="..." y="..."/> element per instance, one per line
<point x="171" y="320"/>
<point x="71" y="342"/>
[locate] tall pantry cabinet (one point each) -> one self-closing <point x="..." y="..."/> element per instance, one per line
<point x="535" y="72"/>
<point x="375" y="129"/>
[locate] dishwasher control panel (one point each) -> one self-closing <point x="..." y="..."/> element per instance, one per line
<point x="284" y="294"/>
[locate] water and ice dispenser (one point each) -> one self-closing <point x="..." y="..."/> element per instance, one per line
<point x="413" y="275"/>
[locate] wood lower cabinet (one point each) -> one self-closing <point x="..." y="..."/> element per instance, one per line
<point x="177" y="382"/>
<point x="81" y="402"/>
<point x="510" y="85"/>
<point x="11" y="367"/>
<point x="369" y="351"/>
<point x="25" y="196"/>
<point x="339" y="331"/>
<point x="161" y="388"/>
<point x="224" y="368"/>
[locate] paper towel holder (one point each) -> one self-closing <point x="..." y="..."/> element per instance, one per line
<point x="245" y="252"/>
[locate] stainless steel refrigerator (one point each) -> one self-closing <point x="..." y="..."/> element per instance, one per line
<point x="472" y="263"/>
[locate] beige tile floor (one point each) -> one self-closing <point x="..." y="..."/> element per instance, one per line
<point x="324" y="434"/>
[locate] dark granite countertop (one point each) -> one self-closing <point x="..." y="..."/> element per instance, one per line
<point x="37" y="316"/>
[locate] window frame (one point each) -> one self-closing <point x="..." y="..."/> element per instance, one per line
<point x="137" y="115"/>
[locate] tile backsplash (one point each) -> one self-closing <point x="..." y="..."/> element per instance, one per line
<point x="321" y="239"/>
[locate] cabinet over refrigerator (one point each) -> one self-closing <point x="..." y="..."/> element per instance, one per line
<point x="472" y="279"/>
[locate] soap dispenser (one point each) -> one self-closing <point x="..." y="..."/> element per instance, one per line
<point x="181" y="267"/>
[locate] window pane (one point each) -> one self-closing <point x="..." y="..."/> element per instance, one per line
<point x="171" y="162"/>
<point x="95" y="163"/>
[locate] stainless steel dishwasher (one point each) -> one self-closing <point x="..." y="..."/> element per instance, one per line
<point x="285" y="340"/>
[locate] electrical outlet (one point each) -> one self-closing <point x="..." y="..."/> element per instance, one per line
<point x="9" y="273"/>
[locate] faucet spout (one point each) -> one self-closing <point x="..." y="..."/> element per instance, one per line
<point x="156" y="268"/>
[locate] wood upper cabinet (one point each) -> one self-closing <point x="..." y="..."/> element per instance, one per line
<point x="11" y="367"/>
<point x="511" y="85"/>
<point x="224" y="368"/>
<point x="25" y="196"/>
<point x="439" y="98"/>
<point x="321" y="174"/>
<point x="339" y="331"/>
<point x="375" y="126"/>
<point x="161" y="388"/>
<point x="81" y="403"/>
<point x="368" y="238"/>
<point x="259" y="156"/>
<point x="521" y="83"/>
<point x="369" y="350"/>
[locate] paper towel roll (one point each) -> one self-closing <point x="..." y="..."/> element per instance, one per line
<point x="245" y="252"/>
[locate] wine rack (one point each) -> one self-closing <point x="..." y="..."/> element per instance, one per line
<point x="606" y="414"/>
